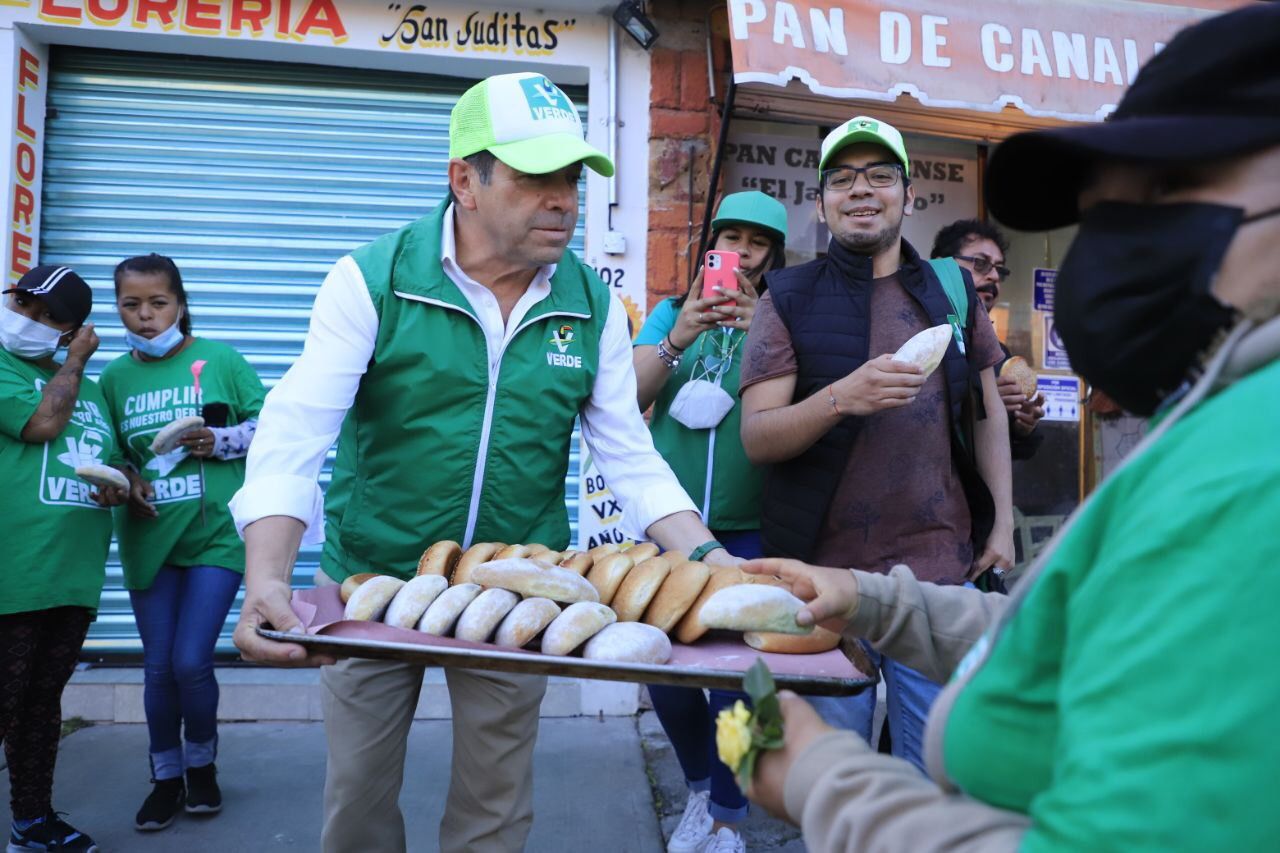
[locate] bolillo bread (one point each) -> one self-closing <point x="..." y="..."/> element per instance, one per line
<point x="1017" y="369"/>
<point x="413" y="599"/>
<point x="349" y="585"/>
<point x="677" y="594"/>
<point x="440" y="559"/>
<point x="926" y="348"/>
<point x="607" y="575"/>
<point x="754" y="607"/>
<point x="525" y="621"/>
<point x="478" y="622"/>
<point x="821" y="640"/>
<point x="102" y="476"/>
<point x="638" y="588"/>
<point x="533" y="579"/>
<point x="576" y="561"/>
<point x="578" y="623"/>
<point x="642" y="551"/>
<point x="370" y="600"/>
<point x="481" y="552"/>
<point x="514" y="551"/>
<point x="690" y="628"/>
<point x="629" y="642"/>
<point x="601" y="551"/>
<point x="445" y="610"/>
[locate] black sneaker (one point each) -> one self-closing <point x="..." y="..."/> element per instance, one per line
<point x="203" y="796"/>
<point x="161" y="806"/>
<point x="51" y="832"/>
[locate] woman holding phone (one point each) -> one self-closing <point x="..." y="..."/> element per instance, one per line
<point x="687" y="357"/>
<point x="182" y="557"/>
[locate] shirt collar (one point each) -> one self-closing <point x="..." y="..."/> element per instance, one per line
<point x="541" y="284"/>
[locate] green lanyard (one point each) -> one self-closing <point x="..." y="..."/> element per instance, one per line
<point x="724" y="346"/>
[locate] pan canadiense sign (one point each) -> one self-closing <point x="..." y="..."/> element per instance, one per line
<point x="1065" y="60"/>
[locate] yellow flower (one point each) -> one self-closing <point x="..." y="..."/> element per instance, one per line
<point x="733" y="735"/>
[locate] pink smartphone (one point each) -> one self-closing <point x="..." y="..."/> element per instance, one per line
<point x="718" y="271"/>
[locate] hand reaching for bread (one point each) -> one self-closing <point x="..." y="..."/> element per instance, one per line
<point x="830" y="595"/>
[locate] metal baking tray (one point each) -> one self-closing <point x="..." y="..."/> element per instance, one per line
<point x="444" y="651"/>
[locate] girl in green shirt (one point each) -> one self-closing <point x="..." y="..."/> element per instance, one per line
<point x="182" y="557"/>
<point x="687" y="358"/>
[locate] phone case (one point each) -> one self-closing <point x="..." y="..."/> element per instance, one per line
<point x="718" y="271"/>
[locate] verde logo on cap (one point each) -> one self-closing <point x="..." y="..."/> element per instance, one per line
<point x="545" y="100"/>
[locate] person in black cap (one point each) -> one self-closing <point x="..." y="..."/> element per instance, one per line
<point x="54" y="426"/>
<point x="1123" y="698"/>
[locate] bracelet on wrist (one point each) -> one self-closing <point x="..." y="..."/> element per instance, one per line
<point x="831" y="398"/>
<point x="703" y="550"/>
<point x="670" y="359"/>
<point x="671" y="345"/>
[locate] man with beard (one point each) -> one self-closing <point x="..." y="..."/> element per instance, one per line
<point x="450" y="359"/>
<point x="871" y="463"/>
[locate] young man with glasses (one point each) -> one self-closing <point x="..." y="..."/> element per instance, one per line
<point x="870" y="463"/>
<point x="980" y="248"/>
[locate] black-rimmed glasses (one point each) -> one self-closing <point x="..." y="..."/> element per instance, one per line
<point x="879" y="175"/>
<point x="982" y="266"/>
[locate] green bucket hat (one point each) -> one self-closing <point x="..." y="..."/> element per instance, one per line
<point x="526" y="122"/>
<point x="864" y="129"/>
<point x="753" y="208"/>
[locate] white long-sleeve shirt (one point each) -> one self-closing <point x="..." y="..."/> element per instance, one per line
<point x="304" y="412"/>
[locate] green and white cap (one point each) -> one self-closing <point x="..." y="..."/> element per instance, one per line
<point x="864" y="129"/>
<point x="525" y="121"/>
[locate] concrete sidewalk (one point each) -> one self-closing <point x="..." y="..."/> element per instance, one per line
<point x="591" y="791"/>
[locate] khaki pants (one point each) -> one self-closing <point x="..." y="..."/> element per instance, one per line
<point x="368" y="708"/>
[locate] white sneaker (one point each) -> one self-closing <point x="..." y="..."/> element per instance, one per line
<point x="725" y="840"/>
<point x="694" y="829"/>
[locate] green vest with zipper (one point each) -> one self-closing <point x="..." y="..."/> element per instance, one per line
<point x="434" y="447"/>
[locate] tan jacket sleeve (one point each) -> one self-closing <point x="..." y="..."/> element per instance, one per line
<point x="847" y="798"/>
<point x="922" y="625"/>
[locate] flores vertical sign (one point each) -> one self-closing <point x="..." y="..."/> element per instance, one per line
<point x="25" y="156"/>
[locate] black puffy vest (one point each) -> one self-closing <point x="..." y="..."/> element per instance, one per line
<point x="825" y="305"/>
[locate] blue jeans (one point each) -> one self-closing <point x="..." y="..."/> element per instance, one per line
<point x="689" y="717"/>
<point x="179" y="618"/>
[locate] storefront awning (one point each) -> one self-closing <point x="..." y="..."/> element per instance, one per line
<point x="1069" y="61"/>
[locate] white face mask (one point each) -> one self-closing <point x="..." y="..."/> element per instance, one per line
<point x="700" y="404"/>
<point x="24" y="337"/>
<point x="159" y="345"/>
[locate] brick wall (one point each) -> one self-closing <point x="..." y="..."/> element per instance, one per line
<point x="683" y="124"/>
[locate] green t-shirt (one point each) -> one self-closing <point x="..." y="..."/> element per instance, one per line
<point x="144" y="397"/>
<point x="57" y="538"/>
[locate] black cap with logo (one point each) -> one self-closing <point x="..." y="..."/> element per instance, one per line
<point x="1212" y="93"/>
<point x="65" y="293"/>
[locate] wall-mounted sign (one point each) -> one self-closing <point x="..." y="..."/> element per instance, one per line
<point x="1061" y="397"/>
<point x="1042" y="284"/>
<point x="1055" y="354"/>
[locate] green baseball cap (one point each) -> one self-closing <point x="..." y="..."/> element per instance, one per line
<point x="525" y="121"/>
<point x="864" y="129"/>
<point x="753" y="208"/>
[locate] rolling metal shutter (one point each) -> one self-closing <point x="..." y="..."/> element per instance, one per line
<point x="255" y="177"/>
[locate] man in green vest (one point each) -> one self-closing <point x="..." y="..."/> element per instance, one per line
<point x="450" y="358"/>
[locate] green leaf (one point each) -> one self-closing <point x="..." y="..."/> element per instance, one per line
<point x="747" y="768"/>
<point x="758" y="682"/>
<point x="768" y="710"/>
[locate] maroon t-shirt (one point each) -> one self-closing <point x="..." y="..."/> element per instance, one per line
<point x="900" y="500"/>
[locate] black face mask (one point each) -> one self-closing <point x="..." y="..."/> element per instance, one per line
<point x="1133" y="302"/>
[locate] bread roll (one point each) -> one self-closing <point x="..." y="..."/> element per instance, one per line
<point x="102" y="476"/>
<point x="690" y="628"/>
<point x="753" y="607"/>
<point x="370" y="600"/>
<point x="926" y="349"/>
<point x="349" y="585"/>
<point x="576" y="561"/>
<point x="166" y="440"/>
<point x="821" y="640"/>
<point x="629" y="642"/>
<point x="578" y="623"/>
<point x="478" y="622"/>
<point x="447" y="607"/>
<point x="675" y="558"/>
<point x="543" y="554"/>
<point x="534" y="580"/>
<point x="676" y="596"/>
<point x="525" y="621"/>
<point x="481" y="552"/>
<point x="440" y="559"/>
<point x="601" y="551"/>
<point x="638" y="588"/>
<point x="607" y="575"/>
<point x="642" y="551"/>
<point x="512" y="551"/>
<point x="1017" y="369"/>
<point x="413" y="599"/>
